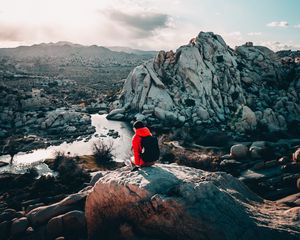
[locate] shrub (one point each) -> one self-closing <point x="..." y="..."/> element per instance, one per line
<point x="32" y="172"/>
<point x="70" y="173"/>
<point x="103" y="152"/>
<point x="43" y="186"/>
<point x="59" y="157"/>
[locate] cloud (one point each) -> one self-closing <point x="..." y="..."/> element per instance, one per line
<point x="234" y="34"/>
<point x="14" y="34"/>
<point x="297" y="26"/>
<point x="254" y="34"/>
<point x="278" y="24"/>
<point x="10" y="33"/>
<point x="277" y="46"/>
<point x="143" y="24"/>
<point x="237" y="35"/>
<point x="234" y="38"/>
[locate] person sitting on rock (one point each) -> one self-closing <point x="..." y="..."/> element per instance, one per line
<point x="144" y="146"/>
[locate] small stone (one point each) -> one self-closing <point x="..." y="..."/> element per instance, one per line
<point x="139" y="117"/>
<point x="229" y="163"/>
<point x="226" y="156"/>
<point x="3" y="164"/>
<point x="74" y="222"/>
<point x="181" y="119"/>
<point x="202" y="113"/>
<point x="29" y="230"/>
<point x="283" y="160"/>
<point x="10" y="214"/>
<point x="116" y="114"/>
<point x="160" y="113"/>
<point x="55" y="227"/>
<point x="4" y="229"/>
<point x="19" y="226"/>
<point x="101" y="112"/>
<point x="298" y="183"/>
<point x="239" y="151"/>
<point x="296" y="155"/>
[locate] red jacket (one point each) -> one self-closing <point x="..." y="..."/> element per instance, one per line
<point x="137" y="147"/>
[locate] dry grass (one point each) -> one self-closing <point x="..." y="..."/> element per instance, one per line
<point x="89" y="163"/>
<point x="205" y="159"/>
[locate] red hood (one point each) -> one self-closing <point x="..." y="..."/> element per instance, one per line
<point x="143" y="132"/>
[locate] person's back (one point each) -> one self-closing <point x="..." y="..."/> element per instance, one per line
<point x="142" y="134"/>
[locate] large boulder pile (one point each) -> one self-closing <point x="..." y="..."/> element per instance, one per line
<point x="207" y="82"/>
<point x="177" y="202"/>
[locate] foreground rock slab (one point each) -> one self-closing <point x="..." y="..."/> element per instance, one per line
<point x="177" y="202"/>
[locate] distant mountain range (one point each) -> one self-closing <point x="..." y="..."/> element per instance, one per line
<point x="65" y="49"/>
<point x="131" y="50"/>
<point x="96" y="66"/>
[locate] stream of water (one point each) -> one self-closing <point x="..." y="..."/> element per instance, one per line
<point x="122" y="147"/>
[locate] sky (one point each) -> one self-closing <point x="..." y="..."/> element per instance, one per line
<point x="150" y="24"/>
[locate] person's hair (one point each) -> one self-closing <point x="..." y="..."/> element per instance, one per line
<point x="138" y="124"/>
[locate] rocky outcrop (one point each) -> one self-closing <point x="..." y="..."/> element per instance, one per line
<point x="22" y="114"/>
<point x="176" y="202"/>
<point x="206" y="82"/>
<point x="66" y="121"/>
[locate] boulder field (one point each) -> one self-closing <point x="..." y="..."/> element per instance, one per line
<point x="27" y="121"/>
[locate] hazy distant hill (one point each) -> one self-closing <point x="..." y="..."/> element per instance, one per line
<point x="132" y="50"/>
<point x="67" y="49"/>
<point x="288" y="53"/>
<point x="95" y="66"/>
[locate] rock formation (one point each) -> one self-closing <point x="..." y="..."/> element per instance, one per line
<point x="207" y="82"/>
<point x="177" y="202"/>
<point x="22" y="114"/>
